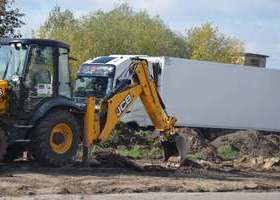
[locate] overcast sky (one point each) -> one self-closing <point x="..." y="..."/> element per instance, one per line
<point x="255" y="22"/>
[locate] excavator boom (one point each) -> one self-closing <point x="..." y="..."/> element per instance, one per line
<point x="140" y="84"/>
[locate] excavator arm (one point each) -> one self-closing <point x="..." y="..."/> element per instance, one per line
<point x="99" y="125"/>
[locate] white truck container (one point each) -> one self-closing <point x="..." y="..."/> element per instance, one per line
<point x="207" y="94"/>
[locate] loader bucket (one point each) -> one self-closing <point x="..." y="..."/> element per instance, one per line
<point x="176" y="145"/>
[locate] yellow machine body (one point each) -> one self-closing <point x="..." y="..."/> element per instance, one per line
<point x="99" y="125"/>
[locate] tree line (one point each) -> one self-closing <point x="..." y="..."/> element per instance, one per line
<point x="127" y="31"/>
<point x="10" y="19"/>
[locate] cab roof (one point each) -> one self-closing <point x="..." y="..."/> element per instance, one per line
<point x="44" y="42"/>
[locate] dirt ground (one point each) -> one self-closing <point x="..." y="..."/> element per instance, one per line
<point x="255" y="169"/>
<point x="29" y="178"/>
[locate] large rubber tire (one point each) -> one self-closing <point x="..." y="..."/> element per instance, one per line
<point x="3" y="144"/>
<point x="50" y="145"/>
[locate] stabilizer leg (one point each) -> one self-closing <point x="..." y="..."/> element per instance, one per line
<point x="85" y="155"/>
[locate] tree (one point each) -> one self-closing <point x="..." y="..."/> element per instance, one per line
<point x="207" y="43"/>
<point x="10" y="19"/>
<point x="119" y="31"/>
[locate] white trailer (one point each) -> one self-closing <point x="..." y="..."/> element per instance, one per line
<point x="207" y="94"/>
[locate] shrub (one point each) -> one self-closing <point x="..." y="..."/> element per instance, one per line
<point x="227" y="152"/>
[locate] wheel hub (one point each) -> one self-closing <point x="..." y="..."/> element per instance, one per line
<point x="58" y="138"/>
<point x="61" y="138"/>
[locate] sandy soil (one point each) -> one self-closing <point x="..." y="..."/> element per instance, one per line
<point x="29" y="178"/>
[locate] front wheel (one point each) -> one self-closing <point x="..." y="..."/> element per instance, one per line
<point x="55" y="139"/>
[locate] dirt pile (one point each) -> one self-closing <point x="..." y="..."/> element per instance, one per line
<point x="195" y="140"/>
<point x="108" y="159"/>
<point x="210" y="153"/>
<point x="227" y="147"/>
<point x="251" y="143"/>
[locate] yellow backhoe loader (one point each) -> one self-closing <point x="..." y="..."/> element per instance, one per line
<point x="138" y="84"/>
<point x="38" y="113"/>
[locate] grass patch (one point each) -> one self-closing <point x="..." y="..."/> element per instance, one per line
<point x="227" y="152"/>
<point x="134" y="152"/>
<point x="194" y="156"/>
<point x="277" y="155"/>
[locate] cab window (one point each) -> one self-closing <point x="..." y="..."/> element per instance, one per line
<point x="64" y="76"/>
<point x="39" y="79"/>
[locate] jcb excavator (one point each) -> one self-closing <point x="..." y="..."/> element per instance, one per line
<point x="137" y="83"/>
<point x="38" y="113"/>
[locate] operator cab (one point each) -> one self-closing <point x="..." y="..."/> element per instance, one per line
<point x="35" y="69"/>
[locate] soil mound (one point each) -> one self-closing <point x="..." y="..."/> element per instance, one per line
<point x="108" y="159"/>
<point x="195" y="140"/>
<point x="251" y="143"/>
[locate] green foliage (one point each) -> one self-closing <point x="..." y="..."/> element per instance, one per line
<point x="194" y="156"/>
<point x="119" y="31"/>
<point x="227" y="152"/>
<point x="129" y="142"/>
<point x="277" y="155"/>
<point x="10" y="19"/>
<point x="207" y="43"/>
<point x="134" y="152"/>
<point x="153" y="150"/>
<point x="123" y="135"/>
<point x="126" y="31"/>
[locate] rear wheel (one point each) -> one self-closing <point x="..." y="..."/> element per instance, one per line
<point x="3" y="144"/>
<point x="55" y="139"/>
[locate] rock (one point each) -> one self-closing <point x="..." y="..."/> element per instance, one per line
<point x="208" y="164"/>
<point x="257" y="162"/>
<point x="251" y="186"/>
<point x="190" y="163"/>
<point x="269" y="163"/>
<point x="173" y="162"/>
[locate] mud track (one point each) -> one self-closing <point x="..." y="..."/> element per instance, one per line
<point x="29" y="178"/>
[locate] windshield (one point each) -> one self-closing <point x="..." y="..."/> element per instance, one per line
<point x="11" y="61"/>
<point x="95" y="86"/>
<point x="96" y="70"/>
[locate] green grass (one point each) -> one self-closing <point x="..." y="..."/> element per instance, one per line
<point x="227" y="152"/>
<point x="277" y="155"/>
<point x="194" y="156"/>
<point x="133" y="152"/>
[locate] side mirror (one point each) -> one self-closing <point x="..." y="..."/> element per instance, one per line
<point x="15" y="78"/>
